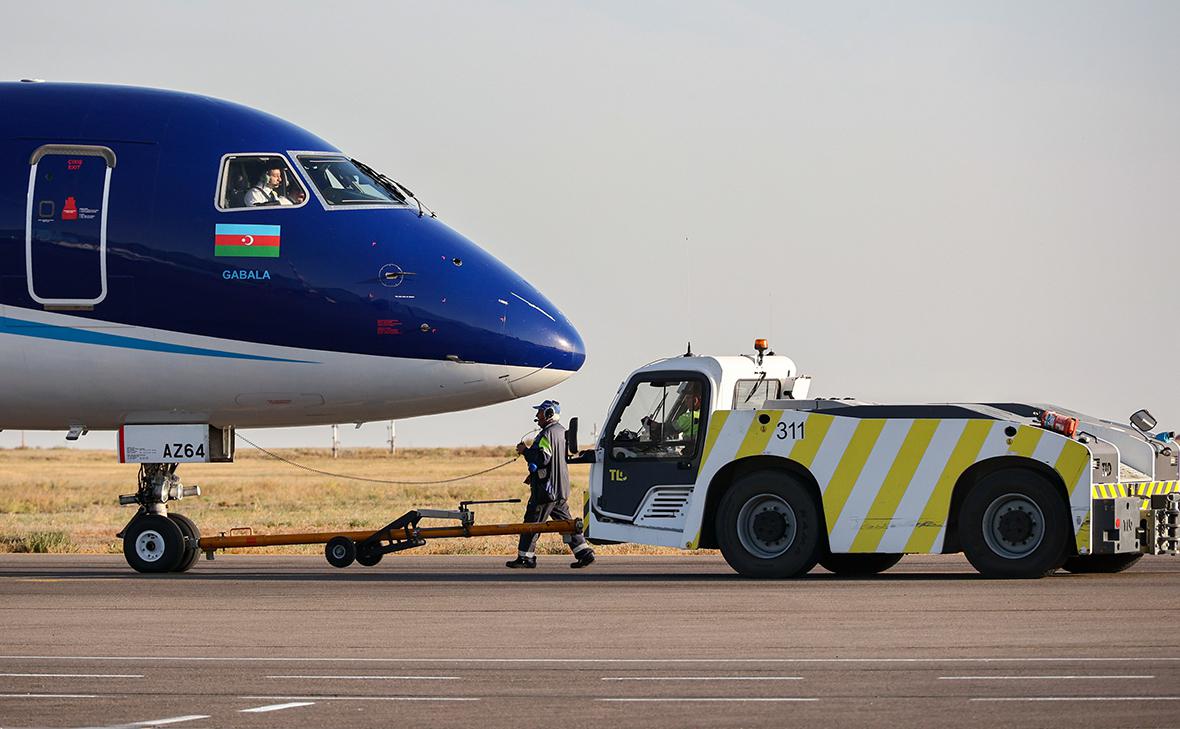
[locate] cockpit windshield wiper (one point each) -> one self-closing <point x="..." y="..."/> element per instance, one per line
<point x="393" y="186"/>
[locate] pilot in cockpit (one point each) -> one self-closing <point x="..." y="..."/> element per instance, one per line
<point x="268" y="189"/>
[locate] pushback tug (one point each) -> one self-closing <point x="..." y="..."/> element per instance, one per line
<point x="731" y="453"/>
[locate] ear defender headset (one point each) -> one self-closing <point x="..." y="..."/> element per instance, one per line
<point x="548" y="409"/>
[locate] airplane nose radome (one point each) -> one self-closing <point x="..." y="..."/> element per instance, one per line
<point x="546" y="339"/>
<point x="571" y="351"/>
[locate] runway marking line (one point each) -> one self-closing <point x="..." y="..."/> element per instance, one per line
<point x="172" y="720"/>
<point x="378" y="678"/>
<point x="71" y="675"/>
<point x="708" y="699"/>
<point x="702" y="678"/>
<point x="175" y="720"/>
<point x="1079" y="698"/>
<point x="1033" y="678"/>
<point x="359" y="659"/>
<point x="361" y="698"/>
<point x="275" y="707"/>
<point x="48" y="696"/>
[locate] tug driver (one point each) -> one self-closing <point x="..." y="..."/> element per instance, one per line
<point x="549" y="487"/>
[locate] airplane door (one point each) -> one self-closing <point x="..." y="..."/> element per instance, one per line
<point x="66" y="225"/>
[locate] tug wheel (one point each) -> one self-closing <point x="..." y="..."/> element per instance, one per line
<point x="192" y="537"/>
<point x="153" y="543"/>
<point x="368" y="557"/>
<point x="1014" y="524"/>
<point x="340" y="551"/>
<point x="768" y="526"/>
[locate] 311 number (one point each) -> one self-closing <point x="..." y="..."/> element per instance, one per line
<point x="791" y="431"/>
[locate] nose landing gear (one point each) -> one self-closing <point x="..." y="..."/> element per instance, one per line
<point x="154" y="540"/>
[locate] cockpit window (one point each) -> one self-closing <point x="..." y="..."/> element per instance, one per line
<point x="258" y="180"/>
<point x="342" y="183"/>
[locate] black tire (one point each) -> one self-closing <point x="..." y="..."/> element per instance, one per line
<point x="1014" y="524"/>
<point x="368" y="557"/>
<point x="340" y="551"/>
<point x="768" y="526"/>
<point x="1082" y="564"/>
<point x="153" y="543"/>
<point x="192" y="538"/>
<point x="853" y="565"/>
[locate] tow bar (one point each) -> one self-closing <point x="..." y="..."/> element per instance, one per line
<point x="368" y="547"/>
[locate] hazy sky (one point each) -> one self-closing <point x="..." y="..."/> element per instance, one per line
<point x="917" y="201"/>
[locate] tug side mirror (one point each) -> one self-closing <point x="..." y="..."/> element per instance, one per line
<point x="1143" y="420"/>
<point x="571" y="437"/>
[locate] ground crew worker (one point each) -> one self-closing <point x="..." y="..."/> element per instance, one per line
<point x="549" y="488"/>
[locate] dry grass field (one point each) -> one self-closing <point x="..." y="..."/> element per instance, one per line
<point x="59" y="500"/>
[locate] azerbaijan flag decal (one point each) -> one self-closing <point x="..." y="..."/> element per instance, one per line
<point x="247" y="241"/>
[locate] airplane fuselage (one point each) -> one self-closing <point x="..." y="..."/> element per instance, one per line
<point x="139" y="284"/>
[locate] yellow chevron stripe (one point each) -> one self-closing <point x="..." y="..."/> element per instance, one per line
<point x="938" y="505"/>
<point x="852" y="462"/>
<point x="716" y="424"/>
<point x="1108" y="490"/>
<point x="1071" y="464"/>
<point x="758" y="435"/>
<point x="1164" y="487"/>
<point x="803" y="452"/>
<point x="897" y="480"/>
<point x="1026" y="440"/>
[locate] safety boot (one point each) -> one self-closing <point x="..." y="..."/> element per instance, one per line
<point x="585" y="559"/>
<point x="522" y="562"/>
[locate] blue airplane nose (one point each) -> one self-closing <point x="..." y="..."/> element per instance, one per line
<point x="475" y="308"/>
<point x="540" y="335"/>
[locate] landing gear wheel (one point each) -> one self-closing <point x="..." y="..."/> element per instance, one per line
<point x="1014" y="524"/>
<point x="153" y="543"/>
<point x="768" y="526"/>
<point x="340" y="551"/>
<point x="1081" y="564"/>
<point x="192" y="537"/>
<point x="368" y="557"/>
<point x="852" y="565"/>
